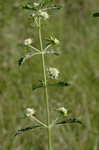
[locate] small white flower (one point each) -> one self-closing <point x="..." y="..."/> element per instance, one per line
<point x="63" y="111"/>
<point x="43" y="14"/>
<point x="53" y="73"/>
<point x="54" y="40"/>
<point x="33" y="15"/>
<point x="28" y="42"/>
<point x="30" y="112"/>
<point x="36" y="4"/>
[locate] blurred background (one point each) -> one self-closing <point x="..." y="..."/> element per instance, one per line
<point x="78" y="32"/>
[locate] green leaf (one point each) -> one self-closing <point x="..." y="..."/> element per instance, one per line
<point x="56" y="6"/>
<point x="70" y="120"/>
<point x="96" y="14"/>
<point x="27" y="56"/>
<point x="21" y="60"/>
<point x="56" y="52"/>
<point x="57" y="84"/>
<point x="20" y="131"/>
<point x="60" y="84"/>
<point x="45" y="2"/>
<point x="28" y="6"/>
<point x="38" y="85"/>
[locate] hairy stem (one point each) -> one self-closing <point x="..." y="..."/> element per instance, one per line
<point x="45" y="89"/>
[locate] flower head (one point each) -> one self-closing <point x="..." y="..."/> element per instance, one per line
<point x="53" y="40"/>
<point x="30" y="112"/>
<point x="56" y="41"/>
<point x="36" y="4"/>
<point x="43" y="14"/>
<point x="63" y="111"/>
<point x="28" y="42"/>
<point x="53" y="73"/>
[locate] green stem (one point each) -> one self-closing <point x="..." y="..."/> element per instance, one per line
<point x="45" y="88"/>
<point x="32" y="118"/>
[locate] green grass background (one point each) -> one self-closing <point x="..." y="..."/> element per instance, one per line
<point x="78" y="32"/>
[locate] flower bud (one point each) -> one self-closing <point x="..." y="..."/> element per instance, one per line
<point x="30" y="112"/>
<point x="28" y="42"/>
<point x="63" y="111"/>
<point x="54" y="40"/>
<point x="43" y="14"/>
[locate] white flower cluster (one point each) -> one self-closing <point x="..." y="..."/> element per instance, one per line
<point x="41" y="13"/>
<point x="28" y="42"/>
<point x="29" y="112"/>
<point x="36" y="4"/>
<point x="63" y="111"/>
<point x="53" y="73"/>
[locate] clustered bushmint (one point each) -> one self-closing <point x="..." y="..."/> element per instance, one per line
<point x="39" y="14"/>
